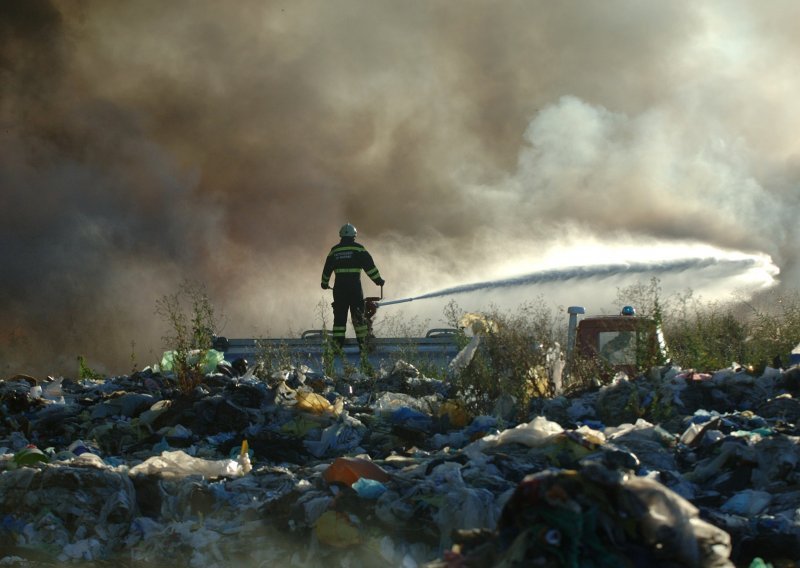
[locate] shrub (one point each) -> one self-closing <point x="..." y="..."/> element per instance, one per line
<point x="773" y="328"/>
<point x="191" y="319"/>
<point x="511" y="359"/>
<point x="271" y="357"/>
<point x="712" y="335"/>
<point x="705" y="336"/>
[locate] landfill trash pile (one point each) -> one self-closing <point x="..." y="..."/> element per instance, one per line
<point x="675" y="468"/>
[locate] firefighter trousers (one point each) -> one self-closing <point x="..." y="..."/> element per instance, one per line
<point x="349" y="300"/>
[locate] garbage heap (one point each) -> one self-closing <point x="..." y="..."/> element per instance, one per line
<point x="676" y="468"/>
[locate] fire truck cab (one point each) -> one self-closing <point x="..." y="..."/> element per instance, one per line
<point x="625" y="342"/>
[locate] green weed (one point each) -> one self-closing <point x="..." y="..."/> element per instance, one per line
<point x="272" y="356"/>
<point x="86" y="372"/>
<point x="191" y="320"/>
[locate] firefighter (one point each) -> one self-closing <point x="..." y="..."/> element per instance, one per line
<point x="346" y="260"/>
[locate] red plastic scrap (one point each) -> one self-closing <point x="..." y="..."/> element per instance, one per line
<point x="694" y="376"/>
<point x="349" y="470"/>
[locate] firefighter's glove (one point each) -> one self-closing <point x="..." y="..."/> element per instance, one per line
<point x="380" y="282"/>
<point x="325" y="286"/>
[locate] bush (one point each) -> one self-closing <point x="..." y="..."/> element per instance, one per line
<point x="712" y="335"/>
<point x="773" y="327"/>
<point x="191" y="319"/>
<point x="701" y="335"/>
<point x="511" y="359"/>
<point x="705" y="336"/>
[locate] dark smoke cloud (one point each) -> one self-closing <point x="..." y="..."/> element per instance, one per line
<point x="144" y="143"/>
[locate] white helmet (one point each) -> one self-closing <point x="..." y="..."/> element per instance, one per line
<point x="347" y="230"/>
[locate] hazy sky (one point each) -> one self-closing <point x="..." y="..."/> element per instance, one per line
<point x="143" y="143"/>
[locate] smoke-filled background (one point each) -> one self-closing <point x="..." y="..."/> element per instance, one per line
<point x="146" y="143"/>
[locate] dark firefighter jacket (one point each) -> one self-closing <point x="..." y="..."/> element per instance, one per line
<point x="346" y="260"/>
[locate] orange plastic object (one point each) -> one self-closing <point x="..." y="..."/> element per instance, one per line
<point x="350" y="470"/>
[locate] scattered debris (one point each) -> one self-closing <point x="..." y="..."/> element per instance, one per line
<point x="672" y="468"/>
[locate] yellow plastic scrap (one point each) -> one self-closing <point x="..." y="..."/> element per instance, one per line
<point x="456" y="415"/>
<point x="336" y="529"/>
<point x="565" y="449"/>
<point x="244" y="457"/>
<point x="479" y="323"/>
<point x="313" y="402"/>
<point x="299" y="427"/>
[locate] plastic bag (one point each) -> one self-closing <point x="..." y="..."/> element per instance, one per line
<point x="535" y="433"/>
<point x="337" y="529"/>
<point x="389" y="402"/>
<point x="313" y="402"/>
<point x="368" y="488"/>
<point x="208" y="359"/>
<point x="180" y="464"/>
<point x="29" y="456"/>
<point x="464" y="357"/>
<point x="342" y="436"/>
<point x="411" y="418"/>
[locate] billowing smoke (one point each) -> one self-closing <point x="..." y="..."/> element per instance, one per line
<point x="144" y="143"/>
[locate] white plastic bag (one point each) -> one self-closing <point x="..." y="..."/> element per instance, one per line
<point x="180" y="464"/>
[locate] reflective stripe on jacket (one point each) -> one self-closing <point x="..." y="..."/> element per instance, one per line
<point x="347" y="259"/>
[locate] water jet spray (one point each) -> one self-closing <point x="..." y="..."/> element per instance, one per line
<point x="585" y="272"/>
